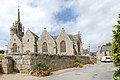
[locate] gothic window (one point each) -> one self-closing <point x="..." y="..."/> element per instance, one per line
<point x="14" y="47"/>
<point x="78" y="43"/>
<point x="44" y="47"/>
<point x="62" y="46"/>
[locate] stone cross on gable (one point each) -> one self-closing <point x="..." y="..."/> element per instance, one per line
<point x="18" y="6"/>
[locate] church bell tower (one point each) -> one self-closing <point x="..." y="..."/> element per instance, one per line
<point x="17" y="27"/>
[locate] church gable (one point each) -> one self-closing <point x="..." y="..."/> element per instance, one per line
<point x="29" y="42"/>
<point x="46" y="43"/>
<point x="64" y="43"/>
<point x="45" y="35"/>
<point x="15" y="44"/>
<point x="64" y="36"/>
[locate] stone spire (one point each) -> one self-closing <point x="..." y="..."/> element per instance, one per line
<point x="18" y="19"/>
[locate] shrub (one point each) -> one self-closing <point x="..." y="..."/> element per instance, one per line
<point x="116" y="75"/>
<point x="93" y="61"/>
<point x="40" y="69"/>
<point x="45" y="73"/>
<point x="40" y="66"/>
<point x="2" y="57"/>
<point x="78" y="64"/>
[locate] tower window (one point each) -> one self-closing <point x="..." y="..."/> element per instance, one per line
<point x="27" y="40"/>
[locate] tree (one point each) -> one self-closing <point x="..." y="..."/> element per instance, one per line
<point x="116" y="43"/>
<point x="116" y="49"/>
<point x="1" y="51"/>
<point x="107" y="44"/>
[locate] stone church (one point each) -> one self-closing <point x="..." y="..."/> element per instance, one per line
<point x="22" y="43"/>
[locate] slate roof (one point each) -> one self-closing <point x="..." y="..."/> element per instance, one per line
<point x="34" y="34"/>
<point x="54" y="37"/>
<point x="71" y="37"/>
<point x="74" y="38"/>
<point x="106" y="48"/>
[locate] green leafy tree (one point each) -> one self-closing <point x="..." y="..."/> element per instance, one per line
<point x="116" y="43"/>
<point x="116" y="49"/>
<point x="1" y="51"/>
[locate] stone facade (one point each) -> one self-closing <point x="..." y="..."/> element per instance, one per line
<point x="15" y="45"/>
<point x="65" y="44"/>
<point x="26" y="62"/>
<point x="47" y="43"/>
<point x="29" y="42"/>
<point x="68" y="44"/>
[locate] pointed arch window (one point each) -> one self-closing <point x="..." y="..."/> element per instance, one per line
<point x="44" y="47"/>
<point x="62" y="46"/>
<point x="78" y="43"/>
<point x="14" y="47"/>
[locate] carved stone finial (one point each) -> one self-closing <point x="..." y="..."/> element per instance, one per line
<point x="18" y="6"/>
<point x="45" y="28"/>
<point x="18" y="14"/>
<point x="13" y="24"/>
<point x="63" y="29"/>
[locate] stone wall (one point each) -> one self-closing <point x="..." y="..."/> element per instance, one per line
<point x="57" y="62"/>
<point x="1" y="70"/>
<point x="7" y="65"/>
<point x="22" y="62"/>
<point x="26" y="62"/>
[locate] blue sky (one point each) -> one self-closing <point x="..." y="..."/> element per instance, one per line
<point x="66" y="15"/>
<point x="94" y="19"/>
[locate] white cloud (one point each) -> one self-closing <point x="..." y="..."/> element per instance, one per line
<point x="95" y="18"/>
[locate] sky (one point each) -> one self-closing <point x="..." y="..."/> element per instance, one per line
<point x="93" y="18"/>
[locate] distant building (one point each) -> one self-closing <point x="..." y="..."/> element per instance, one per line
<point x="86" y="52"/>
<point x="93" y="54"/>
<point x="103" y="51"/>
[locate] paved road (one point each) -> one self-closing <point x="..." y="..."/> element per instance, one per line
<point x="99" y="71"/>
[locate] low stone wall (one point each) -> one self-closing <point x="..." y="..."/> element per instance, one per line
<point x="7" y="65"/>
<point x="1" y="70"/>
<point x="22" y="62"/>
<point x="26" y="62"/>
<point x="57" y="62"/>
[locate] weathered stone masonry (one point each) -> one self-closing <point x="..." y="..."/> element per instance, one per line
<point x="26" y="62"/>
